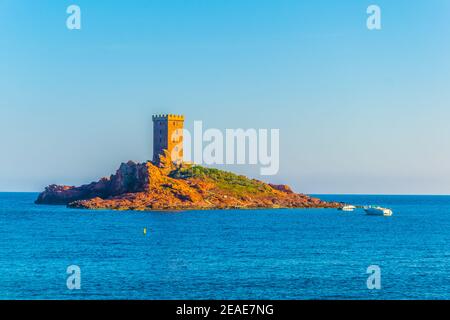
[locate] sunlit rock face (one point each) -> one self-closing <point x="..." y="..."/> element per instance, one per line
<point x="129" y="178"/>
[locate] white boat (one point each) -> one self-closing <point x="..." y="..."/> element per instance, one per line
<point x="347" y="208"/>
<point x="378" y="211"/>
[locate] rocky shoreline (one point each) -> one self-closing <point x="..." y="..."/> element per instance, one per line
<point x="165" y="186"/>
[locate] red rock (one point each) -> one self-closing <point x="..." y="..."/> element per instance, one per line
<point x="281" y="187"/>
<point x="164" y="186"/>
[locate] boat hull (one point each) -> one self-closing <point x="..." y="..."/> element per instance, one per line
<point x="378" y="212"/>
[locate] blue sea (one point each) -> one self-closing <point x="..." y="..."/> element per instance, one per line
<point x="232" y="254"/>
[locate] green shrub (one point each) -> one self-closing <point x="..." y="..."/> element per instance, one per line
<point x="223" y="179"/>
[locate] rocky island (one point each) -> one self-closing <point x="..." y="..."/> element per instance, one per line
<point x="168" y="186"/>
<point x="169" y="183"/>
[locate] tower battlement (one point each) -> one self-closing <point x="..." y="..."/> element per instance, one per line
<point x="176" y="117"/>
<point x="168" y="136"/>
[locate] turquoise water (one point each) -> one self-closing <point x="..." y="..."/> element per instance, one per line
<point x="234" y="254"/>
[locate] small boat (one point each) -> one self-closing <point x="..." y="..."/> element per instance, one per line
<point x="378" y="211"/>
<point x="347" y="208"/>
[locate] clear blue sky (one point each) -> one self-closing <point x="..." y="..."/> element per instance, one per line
<point x="359" y="111"/>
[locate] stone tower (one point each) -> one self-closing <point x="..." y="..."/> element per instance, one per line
<point x="168" y="135"/>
